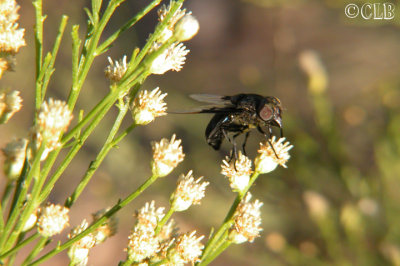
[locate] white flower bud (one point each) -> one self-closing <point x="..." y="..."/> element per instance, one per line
<point x="186" y="28"/>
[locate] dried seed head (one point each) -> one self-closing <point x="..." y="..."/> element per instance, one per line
<point x="167" y="154"/>
<point x="14" y="154"/>
<point x="142" y="244"/>
<point x="116" y="70"/>
<point x="247" y="221"/>
<point x="52" y="220"/>
<point x="186" y="28"/>
<point x="147" y="106"/>
<point x="238" y="171"/>
<point x="186" y="248"/>
<point x="10" y="103"/>
<point x="188" y="192"/>
<point x="149" y="216"/>
<point x="267" y="160"/>
<point x="107" y="229"/>
<point x="172" y="58"/>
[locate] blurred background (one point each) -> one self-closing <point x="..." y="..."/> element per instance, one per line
<point x="337" y="203"/>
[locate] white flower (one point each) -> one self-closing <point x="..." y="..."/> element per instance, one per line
<point x="186" y="28"/>
<point x="269" y="158"/>
<point x="116" y="70"/>
<point x="142" y="244"/>
<point x="52" y="219"/>
<point x="238" y="171"/>
<point x="188" y="192"/>
<point x="167" y="154"/>
<point x="53" y="120"/>
<point x="247" y="221"/>
<point x="14" y="154"/>
<point x="147" y="106"/>
<point x="172" y="58"/>
<point x="10" y="103"/>
<point x="149" y="216"/>
<point x="187" y="248"/>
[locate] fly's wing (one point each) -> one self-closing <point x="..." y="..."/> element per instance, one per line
<point x="218" y="104"/>
<point x="212" y="98"/>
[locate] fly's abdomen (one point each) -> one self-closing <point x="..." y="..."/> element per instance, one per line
<point x="214" y="134"/>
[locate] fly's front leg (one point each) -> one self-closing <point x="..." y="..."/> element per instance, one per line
<point x="268" y="136"/>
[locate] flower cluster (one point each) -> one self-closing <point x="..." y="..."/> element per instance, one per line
<point x="145" y="245"/>
<point x="167" y="154"/>
<point x="182" y="26"/>
<point x="143" y="242"/>
<point x="11" y="37"/>
<point x="148" y="105"/>
<point x="79" y="251"/>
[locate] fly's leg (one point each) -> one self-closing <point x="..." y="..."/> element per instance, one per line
<point x="244" y="143"/>
<point x="230" y="141"/>
<point x="234" y="154"/>
<point x="268" y="136"/>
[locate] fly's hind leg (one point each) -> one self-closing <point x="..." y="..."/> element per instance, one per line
<point x="244" y="143"/>
<point x="230" y="141"/>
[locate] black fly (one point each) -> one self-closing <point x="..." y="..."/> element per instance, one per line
<point x="238" y="114"/>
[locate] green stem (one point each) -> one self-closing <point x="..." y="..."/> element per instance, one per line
<point x="38" y="247"/>
<point x="99" y="222"/>
<point x="219" y="249"/>
<point x="19" y="246"/>
<point x="123" y="108"/>
<point x="49" y="70"/>
<point x="7" y="193"/>
<point x="68" y="158"/>
<point x="39" y="50"/>
<point x="127" y="25"/>
<point x="89" y="52"/>
<point x="228" y="221"/>
<point x="108" y="100"/>
<point x="17" y="207"/>
<point x="166" y="217"/>
<point x="174" y="6"/>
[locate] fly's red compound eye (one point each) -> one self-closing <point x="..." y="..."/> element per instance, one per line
<point x="266" y="113"/>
